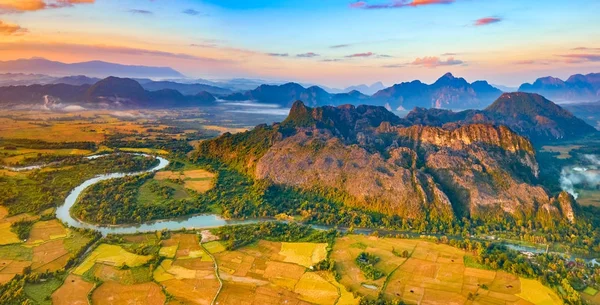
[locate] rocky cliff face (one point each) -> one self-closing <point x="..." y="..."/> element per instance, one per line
<point x="386" y="165"/>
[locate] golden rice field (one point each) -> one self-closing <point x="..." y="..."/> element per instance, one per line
<point x="111" y="255"/>
<point x="433" y="274"/>
<point x="74" y="291"/>
<point x="49" y="247"/>
<point x="188" y="274"/>
<point x="198" y="180"/>
<point x="277" y="273"/>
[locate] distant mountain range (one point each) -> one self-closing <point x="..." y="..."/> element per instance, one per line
<point x="447" y="92"/>
<point x="111" y="92"/>
<point x="365" y="89"/>
<point x="577" y="88"/>
<point x="528" y="114"/>
<point x="90" y="68"/>
<point x="286" y="94"/>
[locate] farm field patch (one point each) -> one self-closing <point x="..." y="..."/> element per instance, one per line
<point x="272" y="273"/>
<point x="111" y="255"/>
<point x="432" y="274"/>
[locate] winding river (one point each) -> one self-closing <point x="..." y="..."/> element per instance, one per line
<point x="194" y="222"/>
<point x="191" y="222"/>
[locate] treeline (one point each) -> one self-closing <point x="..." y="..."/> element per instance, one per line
<point x="43" y="189"/>
<point x="39" y="144"/>
<point x="168" y="143"/>
<point x="242" y="235"/>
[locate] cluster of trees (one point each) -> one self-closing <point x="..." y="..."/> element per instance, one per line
<point x="366" y="262"/>
<point x="116" y="202"/>
<point x="22" y="228"/>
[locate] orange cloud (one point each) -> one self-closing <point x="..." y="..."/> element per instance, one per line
<point x="486" y="21"/>
<point x="11" y="29"/>
<point x="36" y="5"/>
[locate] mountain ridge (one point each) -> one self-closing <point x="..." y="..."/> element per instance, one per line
<point x="387" y="164"/>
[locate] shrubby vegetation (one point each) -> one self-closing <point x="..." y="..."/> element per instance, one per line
<point x="366" y="262"/>
<point x="116" y="202"/>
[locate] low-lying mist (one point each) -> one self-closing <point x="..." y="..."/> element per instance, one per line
<point x="582" y="176"/>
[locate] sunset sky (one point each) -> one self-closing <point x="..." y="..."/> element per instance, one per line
<point x="330" y="42"/>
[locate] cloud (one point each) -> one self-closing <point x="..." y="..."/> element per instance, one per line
<point x="140" y="12"/>
<point x="392" y="66"/>
<point x="397" y="4"/>
<point x="525" y="62"/>
<point x="191" y="12"/>
<point x="331" y="60"/>
<point x="103" y="50"/>
<point x="450" y="54"/>
<point x="307" y="55"/>
<point x="278" y="54"/>
<point x="203" y="45"/>
<point x="578" y="58"/>
<point x="7" y="29"/>
<point x="18" y="6"/>
<point x="384" y="56"/>
<point x="339" y="46"/>
<point x="487" y="21"/>
<point x="586" y="49"/>
<point x="433" y="62"/>
<point x="367" y="54"/>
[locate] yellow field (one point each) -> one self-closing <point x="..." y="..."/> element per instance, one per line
<point x="190" y="276"/>
<point x="7" y="236"/>
<point x="44" y="231"/>
<point x="49" y="247"/>
<point x="113" y="256"/>
<point x="536" y="293"/>
<point x="197" y="180"/>
<point x="73" y="292"/>
<point x="198" y="186"/>
<point x="304" y="254"/>
<point x="168" y="251"/>
<point x="269" y="273"/>
<point x="214" y="247"/>
<point x="313" y="288"/>
<point x="117" y="294"/>
<point x="433" y="274"/>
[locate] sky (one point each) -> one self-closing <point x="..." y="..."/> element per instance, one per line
<point x="336" y="43"/>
